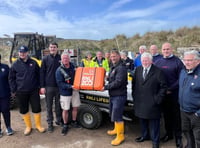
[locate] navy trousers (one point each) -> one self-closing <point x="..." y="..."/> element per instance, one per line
<point x="151" y="126"/>
<point x="5" y="110"/>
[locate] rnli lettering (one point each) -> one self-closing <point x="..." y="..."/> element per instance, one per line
<point x="87" y="81"/>
<point x="97" y="99"/>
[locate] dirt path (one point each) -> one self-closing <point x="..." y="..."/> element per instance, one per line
<point x="76" y="138"/>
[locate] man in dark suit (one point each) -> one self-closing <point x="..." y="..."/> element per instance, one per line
<point x="148" y="90"/>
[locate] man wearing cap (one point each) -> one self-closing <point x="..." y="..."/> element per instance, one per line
<point x="5" y="98"/>
<point x="24" y="83"/>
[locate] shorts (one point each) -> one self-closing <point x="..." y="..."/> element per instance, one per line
<point x="65" y="101"/>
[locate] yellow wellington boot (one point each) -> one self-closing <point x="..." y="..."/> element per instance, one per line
<point x="120" y="134"/>
<point x="27" y="121"/>
<point x="38" y="126"/>
<point x="112" y="132"/>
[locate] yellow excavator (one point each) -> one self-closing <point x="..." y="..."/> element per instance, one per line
<point x="35" y="42"/>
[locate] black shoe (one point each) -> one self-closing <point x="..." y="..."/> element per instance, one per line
<point x="59" y="123"/>
<point x="64" y="130"/>
<point x="155" y="145"/>
<point x="50" y="128"/>
<point x="166" y="138"/>
<point x="141" y="139"/>
<point x="179" y="143"/>
<point x="75" y="124"/>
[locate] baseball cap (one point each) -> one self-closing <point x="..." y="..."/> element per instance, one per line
<point x="23" y="49"/>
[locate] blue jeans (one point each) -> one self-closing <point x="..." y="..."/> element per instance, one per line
<point x="116" y="105"/>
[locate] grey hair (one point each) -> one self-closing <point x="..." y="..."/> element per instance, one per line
<point x="193" y="52"/>
<point x="148" y="55"/>
<point x="65" y="52"/>
<point x="143" y="47"/>
<point x="124" y="52"/>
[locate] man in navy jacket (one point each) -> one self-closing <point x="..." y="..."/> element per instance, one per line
<point x="5" y="98"/>
<point x="117" y="88"/>
<point x="65" y="79"/>
<point x="171" y="67"/>
<point x="189" y="98"/>
<point x="24" y="79"/>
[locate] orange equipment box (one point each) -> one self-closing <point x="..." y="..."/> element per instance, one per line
<point x="89" y="78"/>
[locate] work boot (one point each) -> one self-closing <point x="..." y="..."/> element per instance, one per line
<point x="114" y="131"/>
<point x="38" y="126"/>
<point x="27" y="121"/>
<point x="120" y="134"/>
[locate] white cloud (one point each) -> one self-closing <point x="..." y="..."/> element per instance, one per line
<point x="157" y="9"/>
<point x="118" y="4"/>
<point x="19" y="16"/>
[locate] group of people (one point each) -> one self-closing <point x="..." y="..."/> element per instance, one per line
<point x="104" y="60"/>
<point x="56" y="80"/>
<point x="98" y="61"/>
<point x="162" y="85"/>
<point x="172" y="90"/>
<point x="25" y="80"/>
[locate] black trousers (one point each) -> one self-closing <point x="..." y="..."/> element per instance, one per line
<point x="171" y="114"/>
<point x="191" y="129"/>
<point x="52" y="95"/>
<point x="32" y="98"/>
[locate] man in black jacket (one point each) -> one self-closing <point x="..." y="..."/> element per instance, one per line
<point x="49" y="86"/>
<point x="24" y="79"/>
<point x="117" y="88"/>
<point x="148" y="90"/>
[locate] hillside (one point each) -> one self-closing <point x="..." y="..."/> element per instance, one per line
<point x="183" y="37"/>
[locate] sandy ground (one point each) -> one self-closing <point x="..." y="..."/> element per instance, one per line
<point x="76" y="138"/>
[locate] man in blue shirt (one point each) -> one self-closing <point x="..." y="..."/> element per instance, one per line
<point x="137" y="61"/>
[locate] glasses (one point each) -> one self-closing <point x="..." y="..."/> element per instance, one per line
<point x="189" y="60"/>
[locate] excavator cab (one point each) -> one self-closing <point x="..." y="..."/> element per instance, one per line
<point x="34" y="41"/>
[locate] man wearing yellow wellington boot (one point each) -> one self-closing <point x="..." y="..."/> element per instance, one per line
<point x="117" y="88"/>
<point x="24" y="83"/>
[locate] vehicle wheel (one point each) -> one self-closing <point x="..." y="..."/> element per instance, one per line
<point x="89" y="116"/>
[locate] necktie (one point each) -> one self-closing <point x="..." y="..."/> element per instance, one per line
<point x="145" y="74"/>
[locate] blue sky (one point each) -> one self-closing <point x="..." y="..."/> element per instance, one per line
<point x="96" y="19"/>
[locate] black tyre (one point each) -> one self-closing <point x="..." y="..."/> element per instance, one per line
<point x="89" y="116"/>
